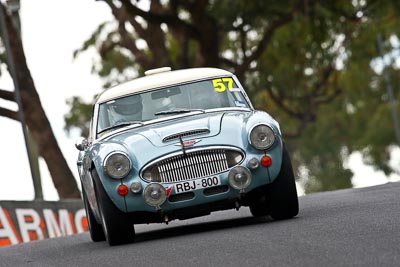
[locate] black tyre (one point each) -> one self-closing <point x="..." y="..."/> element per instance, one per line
<point x="117" y="227"/>
<point x="279" y="199"/>
<point x="95" y="229"/>
<point x="259" y="206"/>
<point x="282" y="197"/>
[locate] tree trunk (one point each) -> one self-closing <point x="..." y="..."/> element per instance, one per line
<point x="38" y="122"/>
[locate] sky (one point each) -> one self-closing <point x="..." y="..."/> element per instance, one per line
<point x="51" y="31"/>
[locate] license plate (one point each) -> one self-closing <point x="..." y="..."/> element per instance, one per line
<point x="197" y="184"/>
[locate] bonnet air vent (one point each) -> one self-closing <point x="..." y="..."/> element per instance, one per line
<point x="185" y="134"/>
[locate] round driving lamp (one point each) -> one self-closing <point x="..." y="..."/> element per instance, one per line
<point x="117" y="165"/>
<point x="154" y="194"/>
<point x="261" y="137"/>
<point x="239" y="177"/>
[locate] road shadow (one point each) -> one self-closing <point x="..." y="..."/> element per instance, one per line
<point x="196" y="228"/>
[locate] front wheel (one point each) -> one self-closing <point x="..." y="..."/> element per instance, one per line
<point x="282" y="197"/>
<point x="259" y="206"/>
<point x="279" y="199"/>
<point x="95" y="229"/>
<point x="117" y="227"/>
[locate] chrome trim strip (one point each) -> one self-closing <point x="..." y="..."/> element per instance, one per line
<point x="193" y="132"/>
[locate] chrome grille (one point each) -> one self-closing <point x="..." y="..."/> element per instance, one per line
<point x="193" y="165"/>
<point x="185" y="134"/>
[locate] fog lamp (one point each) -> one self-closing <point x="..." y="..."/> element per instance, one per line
<point x="239" y="177"/>
<point x="154" y="194"/>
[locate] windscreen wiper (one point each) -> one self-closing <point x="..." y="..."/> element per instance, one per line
<point x="178" y="111"/>
<point x="121" y="124"/>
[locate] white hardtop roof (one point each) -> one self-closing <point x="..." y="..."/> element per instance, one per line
<point x="158" y="80"/>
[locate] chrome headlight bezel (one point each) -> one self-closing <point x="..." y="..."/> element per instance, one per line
<point x="266" y="131"/>
<point x="239" y="177"/>
<point x="154" y="194"/>
<point x="114" y="158"/>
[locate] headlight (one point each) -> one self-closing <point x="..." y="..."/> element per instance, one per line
<point x="261" y="136"/>
<point x="117" y="165"/>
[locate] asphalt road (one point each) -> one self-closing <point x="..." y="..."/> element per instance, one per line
<point x="354" y="227"/>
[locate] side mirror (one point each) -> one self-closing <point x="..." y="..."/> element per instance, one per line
<point x="81" y="144"/>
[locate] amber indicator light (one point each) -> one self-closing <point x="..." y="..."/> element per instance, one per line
<point x="266" y="161"/>
<point x="122" y="190"/>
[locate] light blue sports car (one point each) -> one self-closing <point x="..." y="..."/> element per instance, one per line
<point x="177" y="145"/>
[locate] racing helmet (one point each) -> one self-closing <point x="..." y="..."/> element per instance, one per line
<point x="129" y="105"/>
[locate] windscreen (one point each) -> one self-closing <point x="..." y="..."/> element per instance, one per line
<point x="202" y="95"/>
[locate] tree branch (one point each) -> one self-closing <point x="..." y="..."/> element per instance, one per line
<point x="36" y="118"/>
<point x="129" y="43"/>
<point x="168" y="18"/>
<point x="278" y="100"/>
<point x="328" y="98"/>
<point x="243" y="42"/>
<point x="267" y="35"/>
<point x="326" y="74"/>
<point x="228" y="62"/>
<point x="126" y="39"/>
<point x="9" y="114"/>
<point x="153" y="35"/>
<point x="299" y="131"/>
<point x="7" y="95"/>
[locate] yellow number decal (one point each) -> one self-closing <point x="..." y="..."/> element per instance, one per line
<point x="229" y="81"/>
<point x="219" y="86"/>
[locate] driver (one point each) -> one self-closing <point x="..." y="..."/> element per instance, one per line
<point x="127" y="109"/>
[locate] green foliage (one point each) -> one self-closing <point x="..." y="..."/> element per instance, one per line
<point x="92" y="40"/>
<point x="310" y="64"/>
<point x="79" y="117"/>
